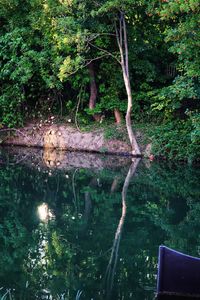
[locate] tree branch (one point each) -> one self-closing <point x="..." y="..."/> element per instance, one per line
<point x="120" y="46"/>
<point x="125" y="45"/>
<point x="95" y="35"/>
<point x="105" y="51"/>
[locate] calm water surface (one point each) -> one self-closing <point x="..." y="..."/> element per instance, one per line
<point x="78" y="226"/>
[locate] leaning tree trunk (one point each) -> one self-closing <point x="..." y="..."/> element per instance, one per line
<point x="121" y="34"/>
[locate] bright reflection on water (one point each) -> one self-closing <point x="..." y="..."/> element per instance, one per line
<point x="44" y="212"/>
<point x="89" y="227"/>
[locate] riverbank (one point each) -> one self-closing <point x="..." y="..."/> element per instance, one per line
<point x="109" y="140"/>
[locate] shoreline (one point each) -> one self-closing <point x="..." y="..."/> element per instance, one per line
<point x="68" y="138"/>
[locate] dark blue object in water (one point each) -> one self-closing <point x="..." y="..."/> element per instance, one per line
<point x="178" y="274"/>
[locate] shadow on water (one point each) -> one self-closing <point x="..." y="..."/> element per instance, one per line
<point x="59" y="213"/>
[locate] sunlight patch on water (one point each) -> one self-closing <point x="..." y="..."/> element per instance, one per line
<point x="44" y="212"/>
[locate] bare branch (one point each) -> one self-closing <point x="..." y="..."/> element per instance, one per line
<point x="125" y="45"/>
<point x="119" y="46"/>
<point x="95" y="35"/>
<point x="120" y="30"/>
<point x="105" y="51"/>
<point x="117" y="35"/>
<point x="91" y="38"/>
<point x="96" y="58"/>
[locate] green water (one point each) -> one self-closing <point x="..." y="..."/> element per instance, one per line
<point x="65" y="232"/>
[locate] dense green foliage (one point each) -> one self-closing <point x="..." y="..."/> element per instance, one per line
<point x="47" y="46"/>
<point x="71" y="251"/>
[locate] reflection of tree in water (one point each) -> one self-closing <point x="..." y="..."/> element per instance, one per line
<point x="87" y="209"/>
<point x="111" y="269"/>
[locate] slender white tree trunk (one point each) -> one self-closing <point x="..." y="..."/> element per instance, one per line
<point x="121" y="34"/>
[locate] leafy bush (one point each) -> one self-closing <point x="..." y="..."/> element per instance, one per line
<point x="170" y="98"/>
<point x="178" y="140"/>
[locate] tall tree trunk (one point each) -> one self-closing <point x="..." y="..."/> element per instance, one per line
<point x="121" y="34"/>
<point x="93" y="89"/>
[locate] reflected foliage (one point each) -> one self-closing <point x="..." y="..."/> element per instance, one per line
<point x="66" y="255"/>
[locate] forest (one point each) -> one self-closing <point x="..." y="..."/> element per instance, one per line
<point x="105" y="62"/>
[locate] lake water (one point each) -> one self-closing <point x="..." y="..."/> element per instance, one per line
<point x="80" y="226"/>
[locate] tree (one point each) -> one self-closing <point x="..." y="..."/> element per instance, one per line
<point x="115" y="13"/>
<point x="113" y="24"/>
<point x="178" y="101"/>
<point x="28" y="71"/>
<point x="121" y="35"/>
